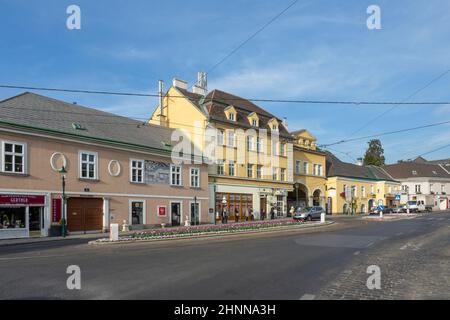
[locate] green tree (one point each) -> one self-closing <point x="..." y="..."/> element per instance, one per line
<point x="374" y="153"/>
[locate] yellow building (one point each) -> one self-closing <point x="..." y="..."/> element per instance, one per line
<point x="352" y="188"/>
<point x="252" y="167"/>
<point x="309" y="172"/>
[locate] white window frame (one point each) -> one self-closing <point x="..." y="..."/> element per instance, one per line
<point x="282" y="174"/>
<point x="220" y="137"/>
<point x="197" y="175"/>
<point x="418" y="188"/>
<point x="259" y="168"/>
<point x="305" y="167"/>
<point x="274" y="173"/>
<point x="13" y="153"/>
<point x="298" y="165"/>
<point x="136" y="168"/>
<point x="282" y="149"/>
<point x="363" y="191"/>
<point x="220" y="164"/>
<point x="231" y="164"/>
<point x="231" y="116"/>
<point x="180" y="173"/>
<point x="259" y="144"/>
<point x="275" y="150"/>
<point x="250" y="146"/>
<point x="254" y="122"/>
<point x="231" y="142"/>
<point x="80" y="164"/>
<point x="250" y="170"/>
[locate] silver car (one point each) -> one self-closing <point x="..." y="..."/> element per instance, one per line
<point x="308" y="213"/>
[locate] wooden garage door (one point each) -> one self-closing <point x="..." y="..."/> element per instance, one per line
<point x="84" y="214"/>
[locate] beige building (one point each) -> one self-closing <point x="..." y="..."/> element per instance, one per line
<point x="117" y="171"/>
<point x="353" y="188"/>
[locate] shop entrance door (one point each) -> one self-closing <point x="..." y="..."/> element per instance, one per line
<point x="84" y="214"/>
<point x="36" y="221"/>
<point x="176" y="214"/>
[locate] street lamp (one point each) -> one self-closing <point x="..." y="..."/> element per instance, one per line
<point x="224" y="202"/>
<point x="63" y="171"/>
<point x="297" y="186"/>
<point x="195" y="210"/>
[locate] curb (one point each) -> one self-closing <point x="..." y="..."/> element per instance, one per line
<point x="215" y="234"/>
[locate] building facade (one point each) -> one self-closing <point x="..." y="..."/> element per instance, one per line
<point x="353" y="189"/>
<point x="309" y="166"/>
<point x="115" y="171"/>
<point x="424" y="181"/>
<point x="251" y="161"/>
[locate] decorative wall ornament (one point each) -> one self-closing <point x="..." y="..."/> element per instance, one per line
<point x="114" y="164"/>
<point x="58" y="156"/>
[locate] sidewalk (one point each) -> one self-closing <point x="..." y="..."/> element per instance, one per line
<point x="11" y="242"/>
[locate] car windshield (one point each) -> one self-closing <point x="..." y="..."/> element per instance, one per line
<point x="412" y="203"/>
<point x="307" y="209"/>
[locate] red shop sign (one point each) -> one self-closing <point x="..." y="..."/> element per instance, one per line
<point x="56" y="210"/>
<point x="161" y="211"/>
<point x="13" y="199"/>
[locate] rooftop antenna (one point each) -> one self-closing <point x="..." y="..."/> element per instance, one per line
<point x="202" y="80"/>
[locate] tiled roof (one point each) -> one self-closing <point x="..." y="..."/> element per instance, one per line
<point x="336" y="167"/>
<point x="39" y="112"/>
<point x="414" y="169"/>
<point x="217" y="101"/>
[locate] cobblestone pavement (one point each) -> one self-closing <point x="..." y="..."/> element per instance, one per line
<point x="411" y="268"/>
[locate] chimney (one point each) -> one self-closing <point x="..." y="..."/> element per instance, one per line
<point x="285" y="123"/>
<point x="162" y="117"/>
<point x="199" y="90"/>
<point x="180" y="84"/>
<point x="202" y="84"/>
<point x="359" y="162"/>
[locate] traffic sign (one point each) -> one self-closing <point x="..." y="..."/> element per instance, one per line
<point x="397" y="197"/>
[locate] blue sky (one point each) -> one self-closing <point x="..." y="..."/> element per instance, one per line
<point x="319" y="50"/>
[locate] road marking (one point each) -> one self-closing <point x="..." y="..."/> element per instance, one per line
<point x="356" y="253"/>
<point x="31" y="257"/>
<point x="415" y="247"/>
<point x="307" y="296"/>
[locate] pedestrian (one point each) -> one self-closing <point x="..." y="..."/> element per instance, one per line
<point x="225" y="216"/>
<point x="236" y="214"/>
<point x="272" y="213"/>
<point x="263" y="214"/>
<point x="252" y="216"/>
<point x="247" y="215"/>
<point x="292" y="211"/>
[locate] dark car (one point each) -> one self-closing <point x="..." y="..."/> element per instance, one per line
<point x="377" y="210"/>
<point x="308" y="213"/>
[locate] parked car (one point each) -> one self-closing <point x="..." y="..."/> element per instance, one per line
<point x="398" y="209"/>
<point x="377" y="210"/>
<point x="308" y="213"/>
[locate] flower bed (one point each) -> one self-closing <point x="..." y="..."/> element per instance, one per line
<point x="175" y="232"/>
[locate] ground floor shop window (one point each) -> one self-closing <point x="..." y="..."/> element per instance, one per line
<point x="137" y="212"/>
<point x="280" y="206"/>
<point x="12" y="218"/>
<point x="237" y="205"/>
<point x="195" y="213"/>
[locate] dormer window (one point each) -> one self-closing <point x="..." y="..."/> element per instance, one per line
<point x="414" y="172"/>
<point x="231" y="116"/>
<point x="274" y="127"/>
<point x="254" y="123"/>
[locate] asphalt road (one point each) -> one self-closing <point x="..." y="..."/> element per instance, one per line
<point x="329" y="263"/>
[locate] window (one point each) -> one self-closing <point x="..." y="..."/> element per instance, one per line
<point x="249" y="143"/>
<point x="254" y="122"/>
<point x="259" y="144"/>
<point x="316" y="170"/>
<point x="414" y="172"/>
<point x="320" y="170"/>
<point x="13" y="157"/>
<point x="175" y="175"/>
<point x="220" y="167"/>
<point x="88" y="165"/>
<point x="274" y="127"/>
<point x="363" y="191"/>
<point x="249" y="170"/>
<point x="282" y="149"/>
<point x="443" y="188"/>
<point x="297" y="167"/>
<point x="274" y="148"/>
<point x="371" y="189"/>
<point x="12" y="218"/>
<point x="220" y="140"/>
<point x="195" y="177"/>
<point x="353" y="192"/>
<point x="231" y="168"/>
<point x="137" y="171"/>
<point x="259" y="172"/>
<point x="305" y="168"/>
<point x="274" y="173"/>
<point x="283" y="174"/>
<point x="390" y="190"/>
<point x="417" y="188"/>
<point x="230" y="137"/>
<point x="231" y="116"/>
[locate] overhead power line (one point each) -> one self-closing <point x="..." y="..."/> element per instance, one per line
<point x="403" y="102"/>
<point x="121" y="93"/>
<point x="388" y="133"/>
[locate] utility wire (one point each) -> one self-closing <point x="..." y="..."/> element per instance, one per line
<point x="402" y="102"/>
<point x="388" y="133"/>
<point x="117" y="93"/>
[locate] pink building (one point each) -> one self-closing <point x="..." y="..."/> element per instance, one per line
<point x="117" y="171"/>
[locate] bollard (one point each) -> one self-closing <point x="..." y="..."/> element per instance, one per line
<point x="114" y="232"/>
<point x="381" y="213"/>
<point x="322" y="218"/>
